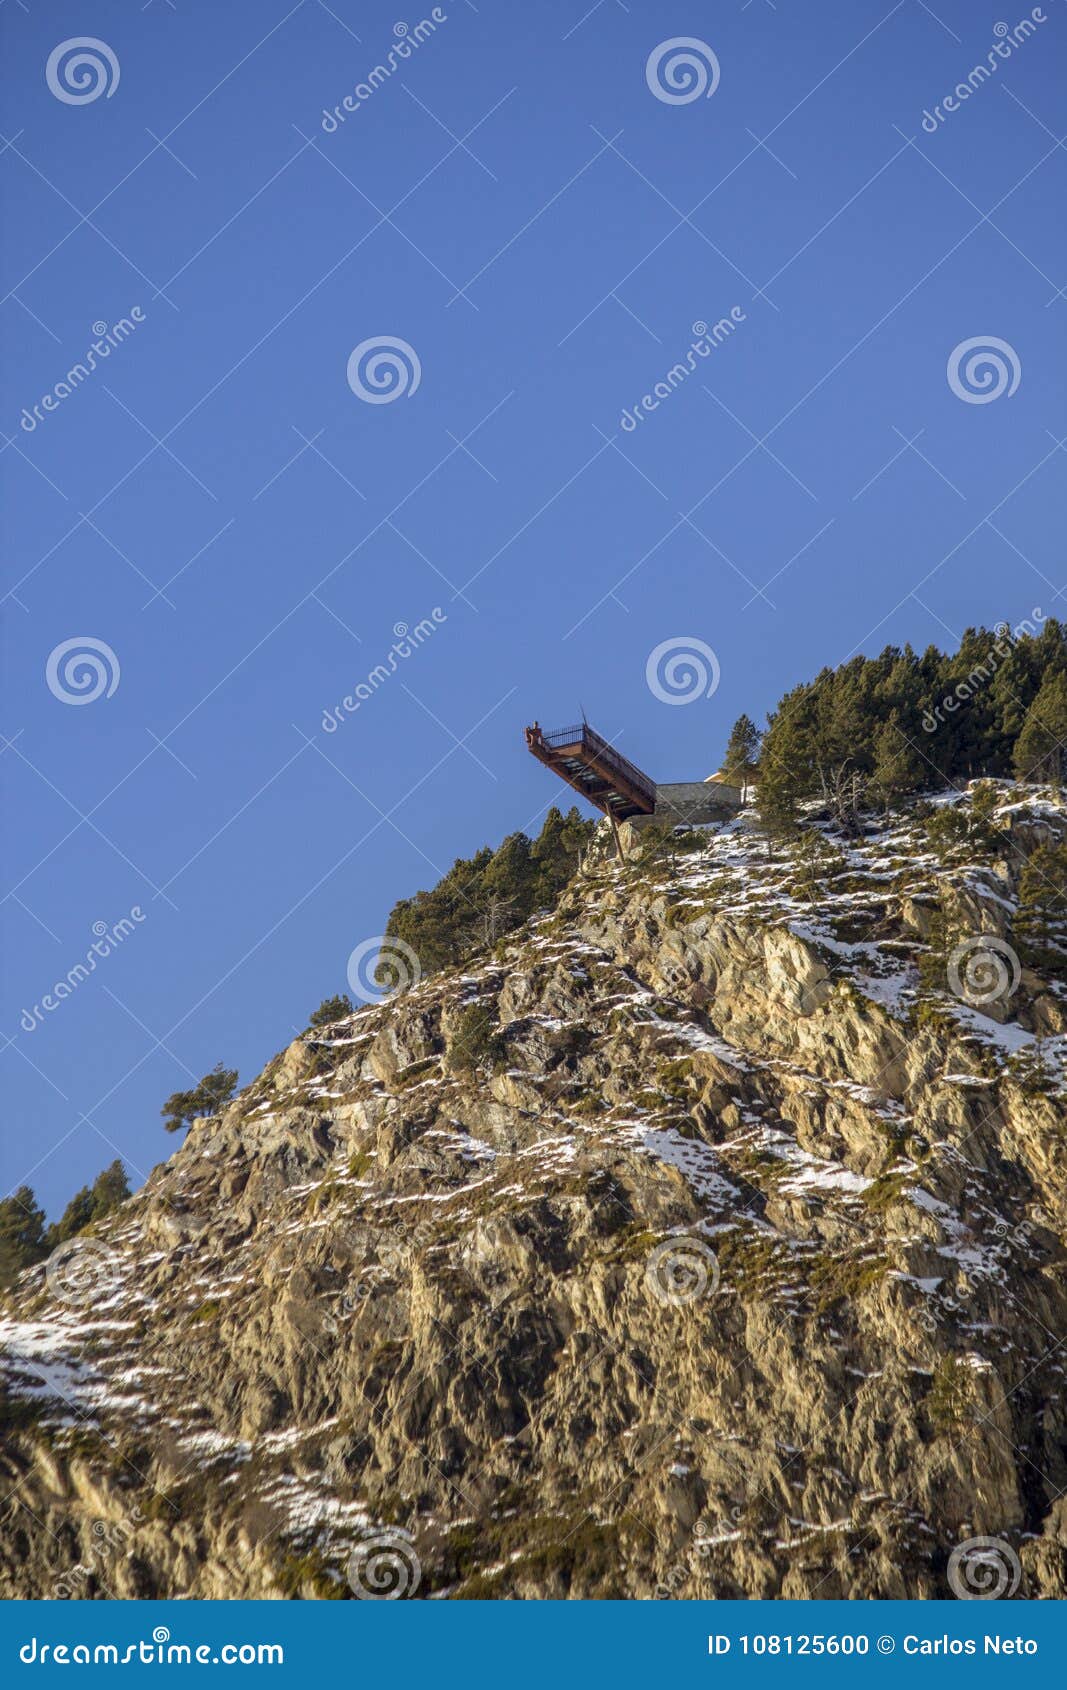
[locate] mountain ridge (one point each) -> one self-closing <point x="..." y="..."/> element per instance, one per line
<point x="705" y="1237"/>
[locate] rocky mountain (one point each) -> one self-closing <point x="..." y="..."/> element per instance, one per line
<point x="706" y="1238"/>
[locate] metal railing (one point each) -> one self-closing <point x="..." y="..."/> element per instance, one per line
<point x="566" y="736"/>
<point x="589" y="740"/>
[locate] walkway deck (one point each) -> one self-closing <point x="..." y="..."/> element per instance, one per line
<point x="579" y="756"/>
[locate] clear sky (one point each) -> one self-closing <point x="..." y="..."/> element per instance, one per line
<point x="216" y="505"/>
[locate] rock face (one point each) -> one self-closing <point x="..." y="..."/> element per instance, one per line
<point x="688" y="1245"/>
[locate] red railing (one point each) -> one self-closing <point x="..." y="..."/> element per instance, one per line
<point x="587" y="739"/>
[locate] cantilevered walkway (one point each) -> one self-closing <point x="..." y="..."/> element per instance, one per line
<point x="579" y="756"/>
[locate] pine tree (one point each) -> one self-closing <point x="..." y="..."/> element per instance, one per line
<point x="777" y="803"/>
<point x="742" y="752"/>
<point x="22" y="1234"/>
<point x="1041" y="919"/>
<point x="898" y="765"/>
<point x="550" y="850"/>
<point x="788" y="767"/>
<point x="91" y="1203"/>
<point x="1041" y="749"/>
<point x="215" y="1089"/>
<point x="77" y="1214"/>
<point x="110" y="1189"/>
<point x="179" y="1110"/>
<point x="555" y="853"/>
<point x="1031" y="1069"/>
<point x="933" y="958"/>
<point x="654" y="847"/>
<point x="511" y="873"/>
<point x="984" y="800"/>
<point x="330" y="1010"/>
<point x="968" y="677"/>
<point x="817" y="859"/>
<point x="182" y="1108"/>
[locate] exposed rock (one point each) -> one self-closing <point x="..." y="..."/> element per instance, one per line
<point x="730" y="1262"/>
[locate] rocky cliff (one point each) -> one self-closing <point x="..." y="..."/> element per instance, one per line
<point x="706" y="1239"/>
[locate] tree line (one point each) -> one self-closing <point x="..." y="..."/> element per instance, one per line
<point x="876" y="729"/>
<point x="486" y="896"/>
<point x="25" y="1238"/>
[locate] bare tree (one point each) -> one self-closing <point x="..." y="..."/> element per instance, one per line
<point x="844" y="792"/>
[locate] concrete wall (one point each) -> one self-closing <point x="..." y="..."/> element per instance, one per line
<point x="692" y="802"/>
<point x="696" y="801"/>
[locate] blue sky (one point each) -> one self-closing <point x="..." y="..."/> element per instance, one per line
<point x="217" y="507"/>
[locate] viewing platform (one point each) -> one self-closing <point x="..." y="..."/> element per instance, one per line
<point x="620" y="790"/>
<point x="579" y="756"/>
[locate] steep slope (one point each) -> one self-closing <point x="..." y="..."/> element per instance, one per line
<point x="688" y="1245"/>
